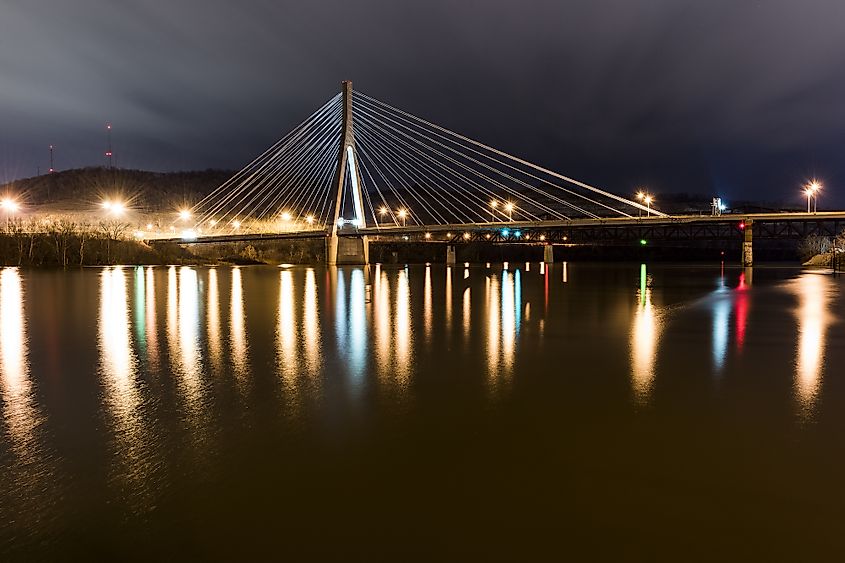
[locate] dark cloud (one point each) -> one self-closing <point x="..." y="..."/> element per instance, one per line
<point x="741" y="97"/>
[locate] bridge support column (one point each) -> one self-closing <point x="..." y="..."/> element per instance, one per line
<point x="450" y="255"/>
<point x="549" y="254"/>
<point x="347" y="250"/>
<point x="747" y="245"/>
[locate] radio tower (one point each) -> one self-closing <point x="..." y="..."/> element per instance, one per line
<point x="108" y="150"/>
<point x="51" y="160"/>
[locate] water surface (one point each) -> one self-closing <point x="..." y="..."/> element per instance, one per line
<point x="509" y="411"/>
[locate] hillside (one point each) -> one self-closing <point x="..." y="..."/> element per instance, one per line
<point x="80" y="188"/>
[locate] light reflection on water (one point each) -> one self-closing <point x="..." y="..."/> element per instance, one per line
<point x="168" y="341"/>
<point x="814" y="293"/>
<point x="237" y="327"/>
<point x="645" y="335"/>
<point x="19" y="409"/>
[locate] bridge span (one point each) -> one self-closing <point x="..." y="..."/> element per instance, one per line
<point x="740" y="228"/>
<point x="359" y="169"/>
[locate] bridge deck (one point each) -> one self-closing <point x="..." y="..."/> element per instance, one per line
<point x="834" y="219"/>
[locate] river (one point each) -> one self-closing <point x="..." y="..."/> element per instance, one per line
<point x="489" y="412"/>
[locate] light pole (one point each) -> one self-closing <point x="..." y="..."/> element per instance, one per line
<point x="382" y="212"/>
<point x="509" y="209"/>
<point x="815" y="187"/>
<point x="648" y="199"/>
<point x="812" y="190"/>
<point x="640" y="197"/>
<point x="493" y="206"/>
<point x="402" y="214"/>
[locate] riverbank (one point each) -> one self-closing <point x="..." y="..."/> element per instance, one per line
<point x="62" y="249"/>
<point x="825" y="260"/>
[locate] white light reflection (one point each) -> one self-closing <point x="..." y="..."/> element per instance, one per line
<point x="381" y="322"/>
<point x="133" y="461"/>
<point x="189" y="331"/>
<point x="467" y="313"/>
<point x="645" y="334"/>
<point x="237" y="328"/>
<point x="493" y="324"/>
<point x="116" y="355"/>
<point x="152" y="325"/>
<point x="213" y="320"/>
<point x="814" y="292"/>
<point x="402" y="325"/>
<point x="311" y="323"/>
<point x="721" y="324"/>
<point x="427" y="317"/>
<point x="172" y="309"/>
<point x="286" y="327"/>
<point x="19" y="412"/>
<point x="508" y="320"/>
<point x="357" y="324"/>
<point x="448" y="299"/>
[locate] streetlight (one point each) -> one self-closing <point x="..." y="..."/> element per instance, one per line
<point x="285" y="216"/>
<point x="184" y="214"/>
<point x="310" y="219"/>
<point x="493" y="206"/>
<point x="382" y="211"/>
<point x="811" y="190"/>
<point x="236" y="224"/>
<point x="509" y="209"/>
<point x="647" y="199"/>
<point x="402" y="214"/>
<point x="9" y="205"/>
<point x="114" y="207"/>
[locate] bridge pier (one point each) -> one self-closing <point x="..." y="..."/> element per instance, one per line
<point x="549" y="254"/>
<point x="747" y="244"/>
<point x="347" y="250"/>
<point x="450" y="255"/>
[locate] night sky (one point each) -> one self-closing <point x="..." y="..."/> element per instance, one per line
<point x="736" y="98"/>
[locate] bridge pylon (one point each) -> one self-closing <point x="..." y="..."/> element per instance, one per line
<point x="348" y="249"/>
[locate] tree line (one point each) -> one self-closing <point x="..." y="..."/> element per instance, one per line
<point x="65" y="242"/>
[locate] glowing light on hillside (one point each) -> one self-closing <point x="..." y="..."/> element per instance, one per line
<point x="9" y="205"/>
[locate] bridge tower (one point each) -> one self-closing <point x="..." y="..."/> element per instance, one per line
<point x="347" y="249"/>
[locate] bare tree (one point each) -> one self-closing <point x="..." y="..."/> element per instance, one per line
<point x="112" y="230"/>
<point x="63" y="232"/>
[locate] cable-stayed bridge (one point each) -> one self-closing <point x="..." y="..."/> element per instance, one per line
<point x="358" y="167"/>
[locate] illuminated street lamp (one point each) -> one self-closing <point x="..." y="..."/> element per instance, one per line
<point x="184" y="214"/>
<point x="811" y="192"/>
<point x="236" y="224"/>
<point x="493" y="206"/>
<point x="309" y="219"/>
<point x="285" y="216"/>
<point x="509" y="209"/>
<point x="402" y="214"/>
<point x="9" y="205"/>
<point x="647" y="199"/>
